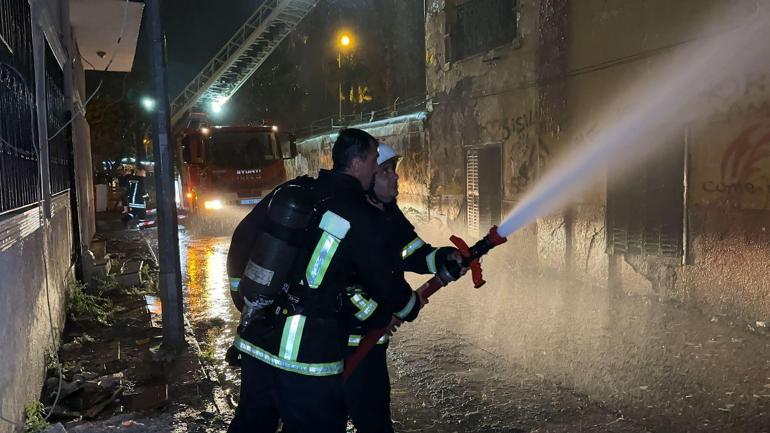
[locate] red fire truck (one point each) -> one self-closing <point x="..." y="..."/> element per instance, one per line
<point x="226" y="168"/>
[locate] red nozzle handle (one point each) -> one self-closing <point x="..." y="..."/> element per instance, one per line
<point x="478" y="279"/>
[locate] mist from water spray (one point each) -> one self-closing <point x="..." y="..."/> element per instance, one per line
<point x="653" y="110"/>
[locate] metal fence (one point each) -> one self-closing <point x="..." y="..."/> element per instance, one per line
<point x="19" y="171"/>
<point x="334" y="123"/>
<point x="57" y="117"/>
<point x="480" y="25"/>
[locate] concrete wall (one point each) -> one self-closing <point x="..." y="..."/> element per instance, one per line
<point x="84" y="173"/>
<point x="34" y="268"/>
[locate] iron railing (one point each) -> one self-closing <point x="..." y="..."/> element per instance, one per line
<point x="19" y="171"/>
<point x="334" y="123"/>
<point x="477" y="26"/>
<point x="57" y="117"/>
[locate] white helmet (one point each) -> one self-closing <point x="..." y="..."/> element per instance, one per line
<point x="386" y="153"/>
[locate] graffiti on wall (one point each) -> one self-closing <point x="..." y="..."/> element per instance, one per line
<point x="523" y="150"/>
<point x="736" y="142"/>
<point x="744" y="169"/>
<point x="505" y="129"/>
<point x="743" y="158"/>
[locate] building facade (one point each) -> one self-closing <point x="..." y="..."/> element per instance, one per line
<point x="516" y="84"/>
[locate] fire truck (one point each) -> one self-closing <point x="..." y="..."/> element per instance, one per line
<point x="224" y="169"/>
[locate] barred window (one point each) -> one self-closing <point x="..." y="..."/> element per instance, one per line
<point x="19" y="178"/>
<point x="57" y="117"/>
<point x="476" y="26"/>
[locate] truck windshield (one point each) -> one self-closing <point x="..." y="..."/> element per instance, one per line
<point x="242" y="149"/>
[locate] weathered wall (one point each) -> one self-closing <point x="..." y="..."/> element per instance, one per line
<point x="537" y="104"/>
<point x="34" y="270"/>
<point x="488" y="99"/>
<point x="406" y="134"/>
<point x="84" y="173"/>
<point x="727" y="168"/>
<point x="729" y="195"/>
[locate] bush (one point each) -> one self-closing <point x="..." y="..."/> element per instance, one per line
<point x="34" y="421"/>
<point x="82" y="306"/>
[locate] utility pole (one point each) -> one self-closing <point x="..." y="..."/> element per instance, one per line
<point x="168" y="240"/>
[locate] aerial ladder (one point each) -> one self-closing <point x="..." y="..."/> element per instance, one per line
<point x="241" y="56"/>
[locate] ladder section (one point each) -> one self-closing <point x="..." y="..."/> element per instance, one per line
<point x="242" y="55"/>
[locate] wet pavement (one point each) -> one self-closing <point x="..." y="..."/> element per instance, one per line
<point x="536" y="353"/>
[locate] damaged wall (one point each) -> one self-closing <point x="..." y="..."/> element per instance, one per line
<point x="406" y="134"/>
<point x="729" y="200"/>
<point x="487" y="100"/>
<point x="548" y="89"/>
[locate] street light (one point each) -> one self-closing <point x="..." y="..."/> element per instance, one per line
<point x="343" y="43"/>
<point x="148" y="103"/>
<point x="216" y="106"/>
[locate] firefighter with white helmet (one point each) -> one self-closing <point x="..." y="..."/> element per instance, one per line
<point x="367" y="390"/>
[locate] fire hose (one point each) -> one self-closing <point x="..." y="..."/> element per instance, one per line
<point x="470" y="259"/>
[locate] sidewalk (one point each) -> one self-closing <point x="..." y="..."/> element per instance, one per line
<point x="116" y="376"/>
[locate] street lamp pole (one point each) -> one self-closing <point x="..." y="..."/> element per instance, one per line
<point x="343" y="43"/>
<point x="170" y="280"/>
<point x="339" y="82"/>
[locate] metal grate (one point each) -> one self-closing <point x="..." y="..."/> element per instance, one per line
<point x="57" y="116"/>
<point x="472" y="190"/>
<point x="19" y="171"/>
<point x="645" y="208"/>
<point x="479" y="25"/>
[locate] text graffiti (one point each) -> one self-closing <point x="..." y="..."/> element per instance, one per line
<point x="504" y="129"/>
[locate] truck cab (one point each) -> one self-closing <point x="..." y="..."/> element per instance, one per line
<point x="227" y="167"/>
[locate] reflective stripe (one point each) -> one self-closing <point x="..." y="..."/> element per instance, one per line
<point x="308" y="369"/>
<point x="292" y="337"/>
<point x="335" y="228"/>
<point x="431" y="261"/>
<point x="408" y="309"/>
<point x="411" y="247"/>
<point x="334" y="224"/>
<point x="354" y="340"/>
<point x="135" y="187"/>
<point x="365" y="306"/>
<point x="319" y="261"/>
<point x="234" y="283"/>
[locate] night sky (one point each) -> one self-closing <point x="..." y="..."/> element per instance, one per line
<point x="297" y="85"/>
<point x="195" y="31"/>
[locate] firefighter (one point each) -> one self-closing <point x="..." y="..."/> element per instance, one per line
<point x="292" y="353"/>
<point x="136" y="197"/>
<point x="367" y="390"/>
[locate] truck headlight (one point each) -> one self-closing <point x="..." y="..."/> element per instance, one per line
<point x="213" y="204"/>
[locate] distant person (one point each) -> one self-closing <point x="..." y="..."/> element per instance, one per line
<point x="136" y="197"/>
<point x="123" y="174"/>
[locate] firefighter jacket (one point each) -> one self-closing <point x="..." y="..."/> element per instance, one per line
<point x="344" y="248"/>
<point x="412" y="254"/>
<point x="137" y="196"/>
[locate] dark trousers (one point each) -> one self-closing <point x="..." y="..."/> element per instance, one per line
<point x="367" y="393"/>
<point x="306" y="404"/>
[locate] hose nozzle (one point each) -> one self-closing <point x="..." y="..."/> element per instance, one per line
<point x="472" y="255"/>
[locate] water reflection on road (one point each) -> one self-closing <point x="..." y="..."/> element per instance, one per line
<point x="207" y="295"/>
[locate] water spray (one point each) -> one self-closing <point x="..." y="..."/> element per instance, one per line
<point x="470" y="260"/>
